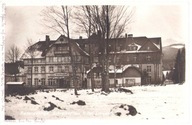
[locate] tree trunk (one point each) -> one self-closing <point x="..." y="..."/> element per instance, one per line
<point x="32" y="72"/>
<point x="91" y="65"/>
<point x="66" y="14"/>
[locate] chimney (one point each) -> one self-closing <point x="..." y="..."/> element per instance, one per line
<point x="47" y="40"/>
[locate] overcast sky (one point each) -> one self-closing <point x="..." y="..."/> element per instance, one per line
<point x="169" y="22"/>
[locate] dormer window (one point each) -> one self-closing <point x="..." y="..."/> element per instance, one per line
<point x="132" y="47"/>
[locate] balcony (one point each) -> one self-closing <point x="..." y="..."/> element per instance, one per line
<point x="61" y="52"/>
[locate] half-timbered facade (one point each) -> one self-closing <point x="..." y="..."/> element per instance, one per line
<point x="48" y="63"/>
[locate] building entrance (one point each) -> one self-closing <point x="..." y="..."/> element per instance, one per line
<point x="63" y="83"/>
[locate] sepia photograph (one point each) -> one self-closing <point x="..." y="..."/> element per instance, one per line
<point x="99" y="62"/>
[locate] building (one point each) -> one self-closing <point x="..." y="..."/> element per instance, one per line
<point x="48" y="63"/>
<point x="143" y="54"/>
<point x="132" y="61"/>
<point x="14" y="72"/>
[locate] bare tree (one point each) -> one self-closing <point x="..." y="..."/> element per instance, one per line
<point x="58" y="19"/>
<point x="90" y="19"/>
<point x="111" y="21"/>
<point x="83" y="19"/>
<point x="12" y="56"/>
<point x="30" y="53"/>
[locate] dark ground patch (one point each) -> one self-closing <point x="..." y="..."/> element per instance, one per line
<point x="80" y="102"/>
<point x="7" y="117"/>
<point x="52" y="106"/>
<point x="125" y="90"/>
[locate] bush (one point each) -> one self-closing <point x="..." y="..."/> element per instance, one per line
<point x="21" y="91"/>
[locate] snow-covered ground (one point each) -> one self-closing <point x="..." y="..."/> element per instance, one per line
<point x="164" y="103"/>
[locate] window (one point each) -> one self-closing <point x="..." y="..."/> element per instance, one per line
<point x="51" y="69"/>
<point x="29" y="81"/>
<point x="42" y="81"/>
<point x="59" y="69"/>
<point x="29" y="69"/>
<point x="54" y="59"/>
<point x="149" y="79"/>
<point x="134" y="47"/>
<point x="43" y="69"/>
<point x="135" y="58"/>
<point x="110" y="59"/>
<point x="118" y="59"/>
<point x="148" y="68"/>
<point x="35" y="61"/>
<point x="129" y="82"/>
<point x="148" y="58"/>
<point x="36" y="81"/>
<point x="36" y="69"/>
<point x="50" y="59"/>
<point x="41" y="60"/>
<point x="66" y="68"/>
<point x="51" y="81"/>
<point x="148" y="48"/>
<point x="59" y="59"/>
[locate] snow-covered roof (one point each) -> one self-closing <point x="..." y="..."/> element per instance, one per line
<point x="36" y="54"/>
<point x="135" y="51"/>
<point x="121" y="69"/>
<point x="134" y="44"/>
<point x="15" y="83"/>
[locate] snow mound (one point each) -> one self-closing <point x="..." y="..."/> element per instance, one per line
<point x="124" y="110"/>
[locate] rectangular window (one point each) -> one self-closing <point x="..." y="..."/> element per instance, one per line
<point x="149" y="79"/>
<point x="110" y="59"/>
<point x="59" y="69"/>
<point x="66" y="68"/>
<point x="42" y="69"/>
<point x="135" y="58"/>
<point x="51" y="81"/>
<point x="42" y="81"/>
<point x="51" y="69"/>
<point x="148" y="68"/>
<point x="59" y="59"/>
<point x="36" y="69"/>
<point x="29" y="81"/>
<point x="50" y="59"/>
<point x="118" y="59"/>
<point x="34" y="61"/>
<point x="36" y="81"/>
<point x="29" y="69"/>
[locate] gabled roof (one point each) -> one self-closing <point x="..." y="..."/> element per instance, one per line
<point x="42" y="47"/>
<point x="120" y="69"/>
